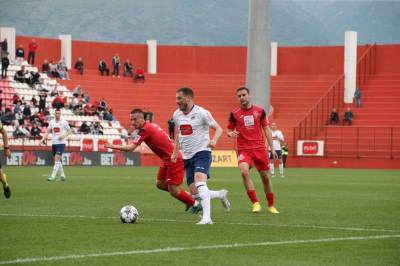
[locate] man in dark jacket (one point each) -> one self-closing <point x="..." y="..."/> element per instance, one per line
<point x="334" y="120"/>
<point x="103" y="68"/>
<point x="348" y="117"/>
<point x="79" y="65"/>
<point x="5" y="62"/>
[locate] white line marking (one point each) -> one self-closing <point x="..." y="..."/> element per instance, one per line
<point x="176" y="249"/>
<point x="190" y="221"/>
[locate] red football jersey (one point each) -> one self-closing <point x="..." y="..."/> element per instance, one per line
<point x="157" y="140"/>
<point x="249" y="123"/>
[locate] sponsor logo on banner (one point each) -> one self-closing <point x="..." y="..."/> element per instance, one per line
<point x="310" y="148"/>
<point x="87" y="145"/>
<point x="224" y="159"/>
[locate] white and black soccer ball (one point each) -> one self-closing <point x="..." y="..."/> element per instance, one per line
<point x="128" y="214"/>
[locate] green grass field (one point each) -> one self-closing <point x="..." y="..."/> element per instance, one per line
<point x="328" y="217"/>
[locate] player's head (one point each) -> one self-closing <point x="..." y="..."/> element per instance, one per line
<point x="184" y="98"/>
<point x="57" y="114"/>
<point x="243" y="95"/>
<point x="137" y="118"/>
<point x="274" y="126"/>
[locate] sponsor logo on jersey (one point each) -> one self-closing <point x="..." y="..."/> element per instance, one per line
<point x="186" y="130"/>
<point x="56" y="129"/>
<point x="249" y="120"/>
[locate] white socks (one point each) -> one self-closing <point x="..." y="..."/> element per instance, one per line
<point x="57" y="167"/>
<point x="281" y="168"/>
<point x="205" y="200"/>
<point x="272" y="168"/>
<point x="216" y="194"/>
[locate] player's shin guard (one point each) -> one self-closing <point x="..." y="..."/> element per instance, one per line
<point x="205" y="200"/>
<point x="281" y="168"/>
<point x="185" y="197"/>
<point x="216" y="194"/>
<point x="61" y="170"/>
<point x="252" y="196"/>
<point x="272" y="168"/>
<point x="270" y="199"/>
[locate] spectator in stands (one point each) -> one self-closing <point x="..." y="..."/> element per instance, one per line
<point x="46" y="67"/>
<point x="16" y="99"/>
<point x="58" y="102"/>
<point x="102" y="105"/>
<point x="103" y="67"/>
<point x="88" y="109"/>
<point x="20" y="75"/>
<point x="348" y="117"/>
<point x="26" y="111"/>
<point x="79" y="65"/>
<point x="97" y="128"/>
<point x="21" y="132"/>
<point x="86" y="98"/>
<point x="5" y="62"/>
<point x="63" y="69"/>
<point x="78" y="110"/>
<point x="128" y="68"/>
<point x="77" y="91"/>
<point x="20" y="54"/>
<point x="139" y="75"/>
<point x="35" y="131"/>
<point x="74" y="103"/>
<point x="116" y="62"/>
<point x="54" y="91"/>
<point x="42" y="101"/>
<point x="7" y="117"/>
<point x="84" y="128"/>
<point x="32" y="51"/>
<point x="53" y="69"/>
<point x="34" y="78"/>
<point x="107" y="115"/>
<point x="334" y="120"/>
<point x="1" y="102"/>
<point x="34" y="101"/>
<point x="171" y="128"/>
<point x="357" y="97"/>
<point x="3" y="47"/>
<point x="17" y="108"/>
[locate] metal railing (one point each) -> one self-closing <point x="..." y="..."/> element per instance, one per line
<point x="318" y="116"/>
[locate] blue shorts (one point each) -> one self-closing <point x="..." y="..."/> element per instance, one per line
<point x="200" y="162"/>
<point x="58" y="149"/>
<point x="278" y="153"/>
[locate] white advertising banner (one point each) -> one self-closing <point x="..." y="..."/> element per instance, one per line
<point x="310" y="148"/>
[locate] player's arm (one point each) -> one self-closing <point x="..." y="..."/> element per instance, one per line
<point x="44" y="139"/>
<point x="7" y="152"/>
<point x="175" y="153"/>
<point x="268" y="137"/>
<point x="231" y="129"/>
<point x="217" y="134"/>
<point x="129" y="147"/>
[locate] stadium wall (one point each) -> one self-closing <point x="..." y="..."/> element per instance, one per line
<point x="326" y="60"/>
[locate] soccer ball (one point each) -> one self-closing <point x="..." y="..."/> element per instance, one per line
<point x="128" y="214"/>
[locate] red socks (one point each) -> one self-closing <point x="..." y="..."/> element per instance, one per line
<point x="270" y="199"/>
<point x="252" y="196"/>
<point x="185" y="197"/>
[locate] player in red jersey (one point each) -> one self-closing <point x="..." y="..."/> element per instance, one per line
<point x="170" y="175"/>
<point x="248" y="124"/>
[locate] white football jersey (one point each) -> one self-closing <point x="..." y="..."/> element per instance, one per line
<point x="193" y="130"/>
<point x="277" y="137"/>
<point x="57" y="129"/>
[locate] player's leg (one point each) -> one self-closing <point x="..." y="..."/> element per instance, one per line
<point x="174" y="178"/>
<point x="56" y="164"/>
<point x="271" y="164"/>
<point x="260" y="159"/>
<point x="6" y="187"/>
<point x="189" y="172"/>
<point x="61" y="169"/>
<point x="279" y="154"/>
<point x="244" y="166"/>
<point x="202" y="162"/>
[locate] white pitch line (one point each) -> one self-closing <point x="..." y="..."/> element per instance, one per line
<point x="177" y="249"/>
<point x="190" y="221"/>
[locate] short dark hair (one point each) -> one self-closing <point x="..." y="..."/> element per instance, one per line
<point x="186" y="91"/>
<point x="243" y="88"/>
<point x="137" y="111"/>
<point x="58" y="109"/>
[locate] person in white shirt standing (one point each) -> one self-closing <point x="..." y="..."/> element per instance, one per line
<point x="193" y="123"/>
<point x="59" y="130"/>
<point x="277" y="140"/>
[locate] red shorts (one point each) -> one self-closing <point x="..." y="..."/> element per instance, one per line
<point x="172" y="173"/>
<point x="256" y="157"/>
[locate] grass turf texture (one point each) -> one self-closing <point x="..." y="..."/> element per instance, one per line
<point x="80" y="217"/>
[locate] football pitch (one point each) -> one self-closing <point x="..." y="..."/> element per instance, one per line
<point x="328" y="217"/>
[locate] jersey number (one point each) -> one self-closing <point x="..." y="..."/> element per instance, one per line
<point x="186" y="130"/>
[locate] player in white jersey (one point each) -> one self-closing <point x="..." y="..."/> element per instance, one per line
<point x="59" y="130"/>
<point x="277" y="140"/>
<point x="193" y="123"/>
